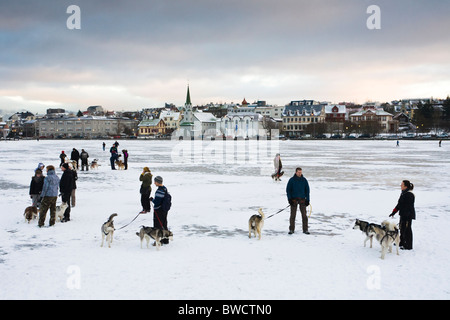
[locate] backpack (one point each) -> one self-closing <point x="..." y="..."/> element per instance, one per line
<point x="166" y="202"/>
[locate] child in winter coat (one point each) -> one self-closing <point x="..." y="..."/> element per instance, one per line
<point x="146" y="189"/>
<point x="37" y="182"/>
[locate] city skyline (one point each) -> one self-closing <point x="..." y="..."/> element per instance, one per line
<point x="144" y="53"/>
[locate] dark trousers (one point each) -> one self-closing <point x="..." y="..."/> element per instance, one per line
<point x="145" y="199"/>
<point x="406" y="235"/>
<point x="297" y="202"/>
<point x="66" y="198"/>
<point x="160" y="219"/>
<point x="84" y="164"/>
<point x="160" y="222"/>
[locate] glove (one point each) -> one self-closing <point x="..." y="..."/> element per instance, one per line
<point x="393" y="212"/>
<point x="306" y="202"/>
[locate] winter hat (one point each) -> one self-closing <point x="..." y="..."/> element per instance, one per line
<point x="65" y="165"/>
<point x="158" y="179"/>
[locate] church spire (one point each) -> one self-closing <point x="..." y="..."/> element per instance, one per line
<point x="188" y="97"/>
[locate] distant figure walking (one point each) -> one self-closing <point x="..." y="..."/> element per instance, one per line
<point x="104" y="146"/>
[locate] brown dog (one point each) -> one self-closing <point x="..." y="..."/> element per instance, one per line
<point x="255" y="224"/>
<point x="30" y="213"/>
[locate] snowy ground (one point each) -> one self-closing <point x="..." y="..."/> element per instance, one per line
<point x="215" y="190"/>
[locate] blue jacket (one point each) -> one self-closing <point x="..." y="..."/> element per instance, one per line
<point x="297" y="188"/>
<point x="51" y="185"/>
<point x="159" y="196"/>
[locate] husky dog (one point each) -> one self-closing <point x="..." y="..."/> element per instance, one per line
<point x="256" y="223"/>
<point x="94" y="164"/>
<point x="364" y="226"/>
<point x="30" y="213"/>
<point x="387" y="234"/>
<point x="154" y="233"/>
<point x="108" y="230"/>
<point x="60" y="211"/>
<point x="120" y="164"/>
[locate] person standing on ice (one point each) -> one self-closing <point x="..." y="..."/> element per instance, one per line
<point x="146" y="189"/>
<point x="159" y="212"/>
<point x="62" y="156"/>
<point x="36" y="185"/>
<point x="49" y="195"/>
<point x="407" y="212"/>
<point x="125" y="158"/>
<point x="114" y="156"/>
<point x="297" y="191"/>
<point x="84" y="160"/>
<point x="75" y="156"/>
<point x="66" y="185"/>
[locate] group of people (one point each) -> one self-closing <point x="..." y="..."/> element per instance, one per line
<point x="298" y="195"/>
<point x="76" y="156"/>
<point x="115" y="155"/>
<point x="44" y="191"/>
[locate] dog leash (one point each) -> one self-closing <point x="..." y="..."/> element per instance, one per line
<point x="129" y="222"/>
<point x="279" y="211"/>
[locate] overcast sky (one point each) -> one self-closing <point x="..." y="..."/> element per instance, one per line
<point x="142" y="53"/>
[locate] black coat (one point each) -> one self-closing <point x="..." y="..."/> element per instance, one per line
<point x="66" y="182"/>
<point x="36" y="184"/>
<point x="405" y="205"/>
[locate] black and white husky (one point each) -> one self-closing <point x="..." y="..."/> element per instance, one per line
<point x="154" y="233"/>
<point x="364" y="226"/>
<point x="108" y="230"/>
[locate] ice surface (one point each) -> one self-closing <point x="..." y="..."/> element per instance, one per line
<point x="216" y="186"/>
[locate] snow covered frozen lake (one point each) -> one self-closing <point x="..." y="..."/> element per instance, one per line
<point x="216" y="186"/>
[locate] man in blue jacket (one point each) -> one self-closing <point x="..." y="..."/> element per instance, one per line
<point x="297" y="191"/>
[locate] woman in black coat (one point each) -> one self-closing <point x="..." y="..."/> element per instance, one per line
<point x="407" y="212"/>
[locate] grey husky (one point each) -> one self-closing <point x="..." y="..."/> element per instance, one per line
<point x="154" y="233"/>
<point x="108" y="230"/>
<point x="364" y="226"/>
